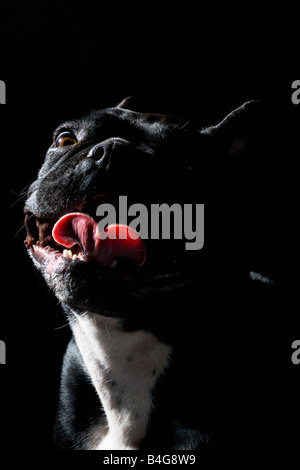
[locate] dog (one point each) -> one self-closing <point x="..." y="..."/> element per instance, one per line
<point x="166" y="348"/>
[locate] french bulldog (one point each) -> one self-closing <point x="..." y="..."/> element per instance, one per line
<point x="167" y="342"/>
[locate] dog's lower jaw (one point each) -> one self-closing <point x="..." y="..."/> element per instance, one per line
<point x="124" y="368"/>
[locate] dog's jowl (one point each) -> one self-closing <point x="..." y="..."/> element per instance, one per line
<point x="160" y="354"/>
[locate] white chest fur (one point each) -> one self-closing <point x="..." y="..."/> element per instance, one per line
<point x="124" y="367"/>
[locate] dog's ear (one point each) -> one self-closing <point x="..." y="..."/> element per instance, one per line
<point x="126" y="103"/>
<point x="241" y="129"/>
<point x="241" y="150"/>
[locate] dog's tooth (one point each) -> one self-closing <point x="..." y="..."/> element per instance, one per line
<point x="67" y="254"/>
<point x="113" y="264"/>
<point x="74" y="257"/>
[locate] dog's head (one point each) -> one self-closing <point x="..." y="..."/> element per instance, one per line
<point x="151" y="159"/>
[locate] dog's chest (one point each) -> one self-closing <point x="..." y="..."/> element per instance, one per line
<point x="124" y="367"/>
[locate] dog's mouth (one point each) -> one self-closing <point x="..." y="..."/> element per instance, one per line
<point x="61" y="243"/>
<point x="115" y="272"/>
<point x="74" y="237"/>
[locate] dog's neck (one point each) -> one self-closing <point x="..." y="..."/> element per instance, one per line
<point x="124" y="367"/>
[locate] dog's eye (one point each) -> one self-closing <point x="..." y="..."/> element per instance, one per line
<point x="65" y="138"/>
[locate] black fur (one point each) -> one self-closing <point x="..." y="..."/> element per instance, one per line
<point x="216" y="307"/>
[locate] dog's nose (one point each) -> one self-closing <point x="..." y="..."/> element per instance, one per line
<point x="109" y="150"/>
<point x="97" y="152"/>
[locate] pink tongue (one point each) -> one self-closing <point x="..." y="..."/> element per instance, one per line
<point x="121" y="240"/>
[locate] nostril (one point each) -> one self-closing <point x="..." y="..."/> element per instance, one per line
<point x="97" y="152"/>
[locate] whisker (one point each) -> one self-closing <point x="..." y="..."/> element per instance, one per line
<point x="23" y="191"/>
<point x="21" y="196"/>
<point x="14" y="204"/>
<point x="17" y="233"/>
<point x="68" y="324"/>
<point x="63" y="326"/>
<point x="22" y="227"/>
<point x="186" y="124"/>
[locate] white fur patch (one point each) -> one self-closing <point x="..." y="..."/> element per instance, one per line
<point x="124" y="367"/>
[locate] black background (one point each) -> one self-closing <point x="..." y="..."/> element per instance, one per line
<point x="60" y="59"/>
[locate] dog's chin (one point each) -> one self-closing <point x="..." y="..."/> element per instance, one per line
<point x="119" y="290"/>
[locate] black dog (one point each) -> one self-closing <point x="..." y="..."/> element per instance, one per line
<point x="159" y="357"/>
